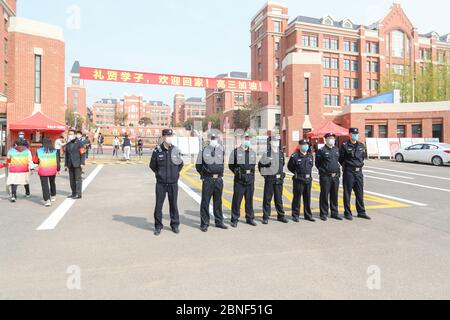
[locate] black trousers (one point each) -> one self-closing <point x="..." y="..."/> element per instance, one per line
<point x="161" y="191"/>
<point x="272" y="190"/>
<point x="48" y="187"/>
<point x="354" y="181"/>
<point x="212" y="188"/>
<point x="329" y="195"/>
<point x="14" y="190"/>
<point x="302" y="189"/>
<point x="76" y="182"/>
<point x="116" y="151"/>
<point x="241" y="191"/>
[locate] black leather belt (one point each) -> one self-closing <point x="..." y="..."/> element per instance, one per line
<point x="354" y="169"/>
<point x="304" y="176"/>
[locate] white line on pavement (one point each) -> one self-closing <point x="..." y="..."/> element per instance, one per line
<point x="411" y="173"/>
<point x="195" y="196"/>
<point x="409" y="184"/>
<point x="57" y="215"/>
<point x="389" y="175"/>
<point x="419" y="204"/>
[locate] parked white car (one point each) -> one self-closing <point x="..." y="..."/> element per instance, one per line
<point x="437" y="154"/>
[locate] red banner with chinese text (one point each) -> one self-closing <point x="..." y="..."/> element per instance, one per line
<point x="109" y="75"/>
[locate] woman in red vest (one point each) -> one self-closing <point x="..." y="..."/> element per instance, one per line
<point x="20" y="162"/>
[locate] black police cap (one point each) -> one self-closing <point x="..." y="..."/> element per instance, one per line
<point x="303" y="142"/>
<point x="167" y="132"/>
<point x="353" y="130"/>
<point x="329" y="135"/>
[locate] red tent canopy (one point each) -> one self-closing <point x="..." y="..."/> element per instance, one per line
<point x="330" y="127"/>
<point x="38" y="122"/>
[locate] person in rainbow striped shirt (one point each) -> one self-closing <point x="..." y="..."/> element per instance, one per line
<point x="20" y="162"/>
<point x="48" y="168"/>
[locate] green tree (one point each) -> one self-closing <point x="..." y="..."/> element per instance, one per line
<point x="120" y="119"/>
<point x="74" y="120"/>
<point x="215" y="121"/>
<point x="145" y="121"/>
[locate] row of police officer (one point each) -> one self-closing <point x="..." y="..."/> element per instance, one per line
<point x="167" y="164"/>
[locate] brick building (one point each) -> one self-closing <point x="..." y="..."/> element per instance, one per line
<point x="76" y="92"/>
<point x="224" y="102"/>
<point x="320" y="65"/>
<point x="134" y="107"/>
<point x="193" y="109"/>
<point x="32" y="77"/>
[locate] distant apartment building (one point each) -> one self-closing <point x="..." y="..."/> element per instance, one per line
<point x="76" y="92"/>
<point x="134" y="109"/>
<point x="193" y="109"/>
<point x="224" y="102"/>
<point x="321" y="65"/>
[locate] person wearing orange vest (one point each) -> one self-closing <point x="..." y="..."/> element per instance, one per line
<point x="20" y="162"/>
<point x="48" y="168"/>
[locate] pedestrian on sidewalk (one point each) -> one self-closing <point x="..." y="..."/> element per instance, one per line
<point x="116" y="146"/>
<point x="100" y="141"/>
<point x="75" y="162"/>
<point x="126" y="148"/>
<point x="20" y="163"/>
<point x="59" y="145"/>
<point x="48" y="168"/>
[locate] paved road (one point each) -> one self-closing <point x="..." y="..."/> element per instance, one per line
<point x="108" y="236"/>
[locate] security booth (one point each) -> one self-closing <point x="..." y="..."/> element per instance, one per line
<point x="36" y="127"/>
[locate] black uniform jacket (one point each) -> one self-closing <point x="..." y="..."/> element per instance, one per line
<point x="327" y="161"/>
<point x="243" y="164"/>
<point x="73" y="157"/>
<point x="271" y="166"/>
<point x="301" y="166"/>
<point x="210" y="162"/>
<point x="352" y="155"/>
<point x="166" y="164"/>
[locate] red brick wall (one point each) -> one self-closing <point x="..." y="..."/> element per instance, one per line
<point x="21" y="77"/>
<point x="82" y="105"/>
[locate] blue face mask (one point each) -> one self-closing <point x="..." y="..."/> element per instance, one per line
<point x="355" y="136"/>
<point x="305" y="148"/>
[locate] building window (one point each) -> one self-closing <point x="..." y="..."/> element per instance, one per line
<point x="278" y="100"/>
<point x="375" y="67"/>
<point x="368" y="66"/>
<point x="355" y="83"/>
<point x="259" y="68"/>
<point x="277" y="82"/>
<point x="376" y="85"/>
<point x="416" y="131"/>
<point x="305" y="41"/>
<point x="37" y="78"/>
<point x="369" y="131"/>
<point x="347" y="65"/>
<point x="354" y="47"/>
<point x="277" y="26"/>
<point x="383" y="131"/>
<point x="326" y="81"/>
<point x="437" y="131"/>
<point x="346" y="83"/>
<point x="306" y="94"/>
<point x="347" y="46"/>
<point x="309" y="41"/>
<point x="326" y="63"/>
<point x="398" y="44"/>
<point x="76" y="95"/>
<point x="327" y="100"/>
<point x="347" y="100"/>
<point x="313" y="42"/>
<point x="334" y="44"/>
<point x="398" y="69"/>
<point x="374" y="48"/>
<point x="401" y="131"/>
<point x="277" y="45"/>
<point x="335" y="82"/>
<point x="335" y="100"/>
<point x="369" y="84"/>
<point x="334" y="63"/>
<point x="326" y="43"/>
<point x="277" y="64"/>
<point x="278" y="120"/>
<point x="354" y="65"/>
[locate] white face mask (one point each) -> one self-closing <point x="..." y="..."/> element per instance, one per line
<point x="169" y="140"/>
<point x="214" y="143"/>
<point x="331" y="142"/>
<point x="79" y="136"/>
<point x="71" y="137"/>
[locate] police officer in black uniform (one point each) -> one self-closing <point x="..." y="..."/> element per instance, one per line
<point x="301" y="164"/>
<point x="243" y="165"/>
<point x="271" y="167"/>
<point x="210" y="166"/>
<point x="167" y="164"/>
<point x="351" y="158"/>
<point x="327" y="162"/>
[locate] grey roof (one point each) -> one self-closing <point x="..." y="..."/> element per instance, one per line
<point x="445" y="37"/>
<point x="108" y="101"/>
<point x="195" y="99"/>
<point x="234" y="74"/>
<point x="155" y="103"/>
<point x="75" y="67"/>
<point x="337" y="24"/>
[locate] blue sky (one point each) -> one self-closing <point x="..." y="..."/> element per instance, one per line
<point x="191" y="37"/>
